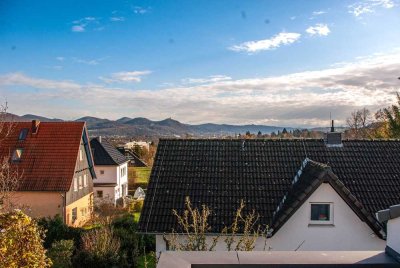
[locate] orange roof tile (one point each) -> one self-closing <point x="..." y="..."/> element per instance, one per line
<point x="49" y="157"/>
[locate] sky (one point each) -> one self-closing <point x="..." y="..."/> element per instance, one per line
<point x="282" y="63"/>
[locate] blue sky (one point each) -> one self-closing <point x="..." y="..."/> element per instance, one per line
<point x="263" y="62"/>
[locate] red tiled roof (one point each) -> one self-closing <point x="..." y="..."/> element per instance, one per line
<point x="49" y="157"/>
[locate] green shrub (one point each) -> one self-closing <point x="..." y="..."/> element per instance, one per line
<point x="58" y="230"/>
<point x="61" y="253"/>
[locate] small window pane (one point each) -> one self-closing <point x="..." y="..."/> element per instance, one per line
<point x="17" y="155"/>
<point x="320" y="212"/>
<point x="23" y="134"/>
<point x="75" y="184"/>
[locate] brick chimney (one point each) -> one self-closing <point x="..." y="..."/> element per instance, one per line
<point x="35" y="126"/>
<point x="333" y="139"/>
<point x="99" y="138"/>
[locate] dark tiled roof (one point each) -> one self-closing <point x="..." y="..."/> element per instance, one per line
<point x="106" y="154"/>
<point x="309" y="177"/>
<point x="49" y="157"/>
<point x="219" y="173"/>
<point x="132" y="157"/>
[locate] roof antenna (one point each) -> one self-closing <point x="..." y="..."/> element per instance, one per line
<point x="333" y="126"/>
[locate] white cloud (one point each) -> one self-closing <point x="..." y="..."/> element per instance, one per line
<point x="209" y="79"/>
<point x="141" y="10"/>
<point x="369" y="6"/>
<point x="78" y="28"/>
<point x="319" y="29"/>
<point x="60" y="58"/>
<point x="317" y="13"/>
<point x="117" y="19"/>
<point x="267" y="44"/>
<point x="81" y="24"/>
<point x="125" y="77"/>
<point x="88" y="62"/>
<point x="296" y="99"/>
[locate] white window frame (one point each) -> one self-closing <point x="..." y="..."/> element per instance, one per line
<point x="75" y="184"/>
<point x="84" y="180"/>
<point x="80" y="182"/>
<point x="321" y="222"/>
<point x="80" y="155"/>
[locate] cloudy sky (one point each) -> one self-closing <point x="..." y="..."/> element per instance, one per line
<point x="288" y="63"/>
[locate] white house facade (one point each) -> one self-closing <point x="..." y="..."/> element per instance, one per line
<point x="111" y="168"/>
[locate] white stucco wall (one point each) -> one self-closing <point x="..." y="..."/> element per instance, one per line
<point x="348" y="232"/>
<point x="393" y="234"/>
<point x="112" y="174"/>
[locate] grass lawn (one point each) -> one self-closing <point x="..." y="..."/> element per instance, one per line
<point x="142" y="174"/>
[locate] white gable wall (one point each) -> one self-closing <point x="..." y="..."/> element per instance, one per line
<point x="347" y="233"/>
<point x="112" y="174"/>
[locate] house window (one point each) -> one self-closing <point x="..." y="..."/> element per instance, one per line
<point x="102" y="172"/>
<point x="321" y="213"/>
<point x="74" y="215"/>
<point x="85" y="180"/>
<point x="23" y="134"/>
<point x="80" y="182"/>
<point x="17" y="155"/>
<point x="75" y="184"/>
<point x="80" y="155"/>
<point x="100" y="194"/>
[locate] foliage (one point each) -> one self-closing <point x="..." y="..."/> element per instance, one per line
<point x="250" y="231"/>
<point x="58" y="230"/>
<point x="21" y="242"/>
<point x="138" y="205"/>
<point x="142" y="174"/>
<point x="194" y="224"/>
<point x="61" y="252"/>
<point x="392" y="119"/>
<point x="147" y="261"/>
<point x="100" y="248"/>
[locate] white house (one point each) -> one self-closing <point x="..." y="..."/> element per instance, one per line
<point x="111" y="168"/>
<point x="315" y="195"/>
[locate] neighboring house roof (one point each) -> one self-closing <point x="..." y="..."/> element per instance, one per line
<point x="132" y="157"/>
<point x="105" y="154"/>
<point x="48" y="157"/>
<point x="219" y="173"/>
<point x="309" y="177"/>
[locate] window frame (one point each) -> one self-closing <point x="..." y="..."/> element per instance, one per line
<point x="75" y="184"/>
<point x="80" y="183"/>
<point x="97" y="193"/>
<point x="101" y="171"/>
<point x="322" y="222"/>
<point x="85" y="181"/>
<point x="23" y="134"/>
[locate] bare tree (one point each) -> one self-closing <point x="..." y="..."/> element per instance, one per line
<point x="9" y="176"/>
<point x="359" y="123"/>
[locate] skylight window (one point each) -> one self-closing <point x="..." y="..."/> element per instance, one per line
<point x="22" y="134"/>
<point x="321" y="213"/>
<point x="16" y="157"/>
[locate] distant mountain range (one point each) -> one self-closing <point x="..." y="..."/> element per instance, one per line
<point x="140" y="126"/>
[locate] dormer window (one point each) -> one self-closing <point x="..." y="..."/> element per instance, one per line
<point x="321" y="213"/>
<point x="22" y="134"/>
<point x="16" y="157"/>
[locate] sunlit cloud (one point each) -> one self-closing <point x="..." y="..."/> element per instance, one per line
<point x="267" y="44"/>
<point x="81" y="24"/>
<point x="209" y="79"/>
<point x="125" y="77"/>
<point x="369" y="6"/>
<point x="294" y="99"/>
<point x="318" y="29"/>
<point x="117" y="19"/>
